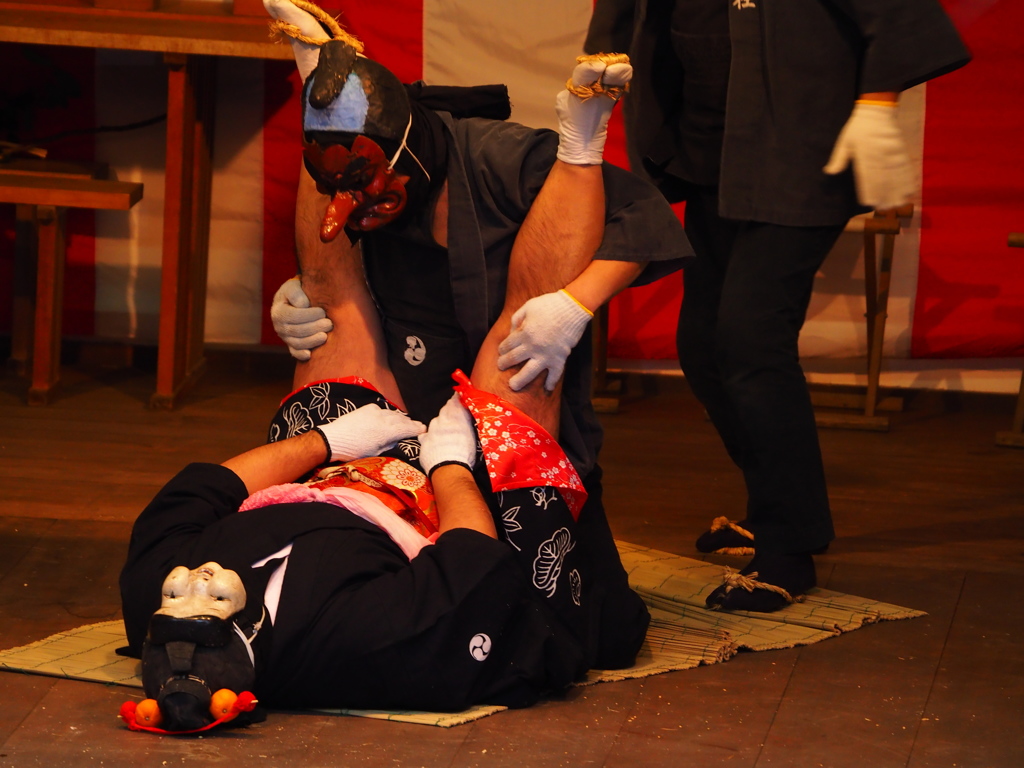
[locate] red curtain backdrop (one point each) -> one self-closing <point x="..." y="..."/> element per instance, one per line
<point x="969" y="300"/>
<point x="970" y="293"/>
<point x="641" y="321"/>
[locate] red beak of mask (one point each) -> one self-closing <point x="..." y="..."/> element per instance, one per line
<point x="366" y="192"/>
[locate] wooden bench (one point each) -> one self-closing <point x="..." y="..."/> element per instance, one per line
<point x="884" y="225"/>
<point x="42" y="202"/>
<point x="1014" y="437"/>
<point x="25" y="238"/>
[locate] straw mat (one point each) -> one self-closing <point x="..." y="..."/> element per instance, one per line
<point x="683" y="634"/>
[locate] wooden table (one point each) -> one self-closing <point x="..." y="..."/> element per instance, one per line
<point x="190" y="37"/>
<point x="42" y="198"/>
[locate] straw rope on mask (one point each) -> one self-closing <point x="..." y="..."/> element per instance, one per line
<point x="356" y="119"/>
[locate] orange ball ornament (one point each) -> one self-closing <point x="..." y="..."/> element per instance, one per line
<point x="147" y="712"/>
<point x="222" y="704"/>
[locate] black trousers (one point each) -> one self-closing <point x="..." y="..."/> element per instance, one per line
<point x="745" y="299"/>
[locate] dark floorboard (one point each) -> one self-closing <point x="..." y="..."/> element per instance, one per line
<point x="929" y="515"/>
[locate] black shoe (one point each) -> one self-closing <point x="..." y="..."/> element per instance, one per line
<point x="768" y="582"/>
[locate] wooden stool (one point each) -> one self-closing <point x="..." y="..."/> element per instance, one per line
<point x="1014" y="438"/>
<point x="25" y="247"/>
<point x="43" y="202"/>
<point x="877" y="277"/>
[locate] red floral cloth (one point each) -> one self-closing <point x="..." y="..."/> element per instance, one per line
<point x="518" y="451"/>
<point x="401" y="487"/>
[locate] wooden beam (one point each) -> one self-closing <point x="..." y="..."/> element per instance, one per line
<point x="60" y="192"/>
<point x="199" y="31"/>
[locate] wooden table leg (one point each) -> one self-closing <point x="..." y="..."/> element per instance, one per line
<point x="49" y="295"/>
<point x="602" y="397"/>
<point x="1014" y="438"/>
<point x="24" y="289"/>
<point x="186" y="226"/>
<point x="876" y="326"/>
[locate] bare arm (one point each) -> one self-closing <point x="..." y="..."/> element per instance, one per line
<point x="459" y="501"/>
<point x="280" y="462"/>
<point x="602" y="280"/>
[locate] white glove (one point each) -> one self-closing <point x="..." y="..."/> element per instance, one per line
<point x="299" y="325"/>
<point x="544" y="331"/>
<point x="367" y="431"/>
<point x="873" y="142"/>
<point x="583" y="123"/>
<point x="450" y="438"/>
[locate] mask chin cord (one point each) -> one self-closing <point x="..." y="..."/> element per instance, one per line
<point x="405" y="146"/>
<point x="248" y="640"/>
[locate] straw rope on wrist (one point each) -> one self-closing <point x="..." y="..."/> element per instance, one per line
<point x="279" y="27"/>
<point x="734" y="579"/>
<point x="613" y="92"/>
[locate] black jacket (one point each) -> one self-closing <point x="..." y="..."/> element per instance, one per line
<point x="795" y="69"/>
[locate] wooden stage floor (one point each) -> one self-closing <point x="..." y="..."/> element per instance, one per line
<point x="929" y="515"/>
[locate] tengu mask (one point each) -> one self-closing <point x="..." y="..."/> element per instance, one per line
<point x="356" y="122"/>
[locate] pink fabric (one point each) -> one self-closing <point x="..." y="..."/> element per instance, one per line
<point x="364" y="505"/>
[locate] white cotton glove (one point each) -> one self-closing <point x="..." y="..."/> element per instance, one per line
<point x="450" y="438"/>
<point x="873" y="142"/>
<point x="583" y="123"/>
<point x="366" y="432"/>
<point x="306" y="56"/>
<point x="299" y="325"/>
<point x="544" y="331"/>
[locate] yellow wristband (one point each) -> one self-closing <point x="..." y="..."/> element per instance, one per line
<point x="577" y="302"/>
<point x="877" y="103"/>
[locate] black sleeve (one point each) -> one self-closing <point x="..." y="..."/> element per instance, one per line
<point x="641" y="226"/>
<point x="458" y="626"/>
<point x="611" y="27"/>
<point x="509" y="165"/>
<point x="162" y="537"/>
<point x="906" y="42"/>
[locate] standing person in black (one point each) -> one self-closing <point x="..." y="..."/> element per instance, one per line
<point x="753" y="112"/>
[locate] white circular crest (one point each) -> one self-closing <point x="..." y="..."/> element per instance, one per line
<point x="416" y="351"/>
<point x="480" y="646"/>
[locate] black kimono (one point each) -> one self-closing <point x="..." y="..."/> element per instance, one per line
<point x="358" y="624"/>
<point x="469" y="620"/>
<point x="735" y="106"/>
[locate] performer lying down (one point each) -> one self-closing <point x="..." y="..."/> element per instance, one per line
<point x="366" y="586"/>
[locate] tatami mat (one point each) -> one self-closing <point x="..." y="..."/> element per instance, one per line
<point x="683" y="634"/>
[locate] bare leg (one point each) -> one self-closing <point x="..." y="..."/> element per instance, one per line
<point x="564" y="227"/>
<point x="333" y="278"/>
<point x="561" y="232"/>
